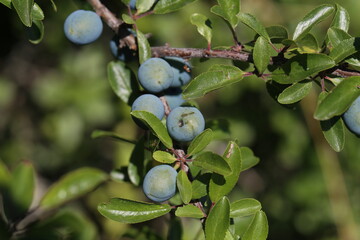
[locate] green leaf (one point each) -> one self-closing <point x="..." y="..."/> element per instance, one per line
<point x="35" y="33"/>
<point x="127" y="19"/>
<point x="100" y="134"/>
<point x="261" y="54"/>
<point x="218" y="220"/>
<point x="228" y="9"/>
<point x="336" y="36"/>
<point x="212" y="162"/>
<point x="189" y="211"/>
<point x="339" y="99"/>
<point x="164" y="157"/>
<point x="307" y="44"/>
<point x="20" y="191"/>
<point x="53" y="5"/>
<point x="143" y="5"/>
<point x="248" y="159"/>
<point x="200" y="142"/>
<point x="218" y="76"/>
<point x="254" y="24"/>
<point x="344" y="49"/>
<point x="156" y="126"/>
<point x="302" y="66"/>
<point x="230" y="236"/>
<point x="203" y="25"/>
<point x="144" y="47"/>
<point x="37" y="13"/>
<point x="219" y="185"/>
<point x="258" y="228"/>
<point x="199" y="185"/>
<point x="334" y="132"/>
<point x="73" y="185"/>
<point x="244" y="207"/>
<point x="5" y="176"/>
<point x="341" y="19"/>
<point x="184" y="186"/>
<point x="295" y="92"/>
<point x="277" y="32"/>
<point x="120" y="79"/>
<point x="6" y="3"/>
<point x="24" y="9"/>
<point x="166" y="6"/>
<point x="311" y="19"/>
<point x="129" y="211"/>
<point x="136" y="167"/>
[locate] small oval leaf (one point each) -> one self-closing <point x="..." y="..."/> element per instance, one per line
<point x="248" y="158"/>
<point x="120" y="79"/>
<point x="258" y="228"/>
<point x="200" y="142"/>
<point x="156" y="126"/>
<point x="189" y="211"/>
<point x="24" y="9"/>
<point x="203" y="25"/>
<point x="143" y="5"/>
<point x="144" y="47"/>
<point x="218" y="220"/>
<point x="244" y="207"/>
<point x="334" y="132"/>
<point x="128" y="211"/>
<point x="184" y="186"/>
<point x="254" y="24"/>
<point x="72" y="185"/>
<point x="212" y="162"/>
<point x="295" y="92"/>
<point x="261" y="54"/>
<point x="166" y="6"/>
<point x="341" y="19"/>
<point x="163" y="157"/>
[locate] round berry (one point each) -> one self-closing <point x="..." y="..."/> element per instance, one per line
<point x="149" y="103"/>
<point x="352" y="117"/>
<point x="181" y="69"/>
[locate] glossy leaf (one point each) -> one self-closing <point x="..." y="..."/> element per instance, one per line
<point x="203" y="25"/>
<point x="218" y="220"/>
<point x="184" y="186"/>
<point x="311" y="19"/>
<point x="35" y="33"/>
<point x="302" y="66"/>
<point x="20" y="191"/>
<point x="144" y="47"/>
<point x="37" y="13"/>
<point x="344" y="49"/>
<point x="339" y="99"/>
<point x="295" y="92"/>
<point x="73" y="185"/>
<point x="128" y="211"/>
<point x="156" y="126"/>
<point x="258" y="228"/>
<point x="244" y="207"/>
<point x="308" y="44"/>
<point x="24" y="9"/>
<point x="100" y="134"/>
<point x="334" y="132"/>
<point x="199" y="185"/>
<point x="219" y="185"/>
<point x="247" y="158"/>
<point x="261" y="54"/>
<point x="341" y="19"/>
<point x="254" y="24"/>
<point x="336" y="36"/>
<point x="189" y="211"/>
<point x="228" y="9"/>
<point x="120" y="79"/>
<point x="200" y="142"/>
<point x="166" y="6"/>
<point x="212" y="162"/>
<point x="217" y="77"/>
<point x="163" y="157"/>
<point x="6" y="3"/>
<point x="144" y="5"/>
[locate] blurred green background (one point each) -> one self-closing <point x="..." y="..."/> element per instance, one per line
<point x="53" y="95"/>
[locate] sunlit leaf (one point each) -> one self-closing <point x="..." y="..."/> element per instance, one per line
<point x="344" y="49"/>
<point x="156" y="126"/>
<point x="339" y="99"/>
<point x="120" y="79"/>
<point x="295" y="92"/>
<point x="184" y="186"/>
<point x="341" y="19"/>
<point x="24" y="9"/>
<point x="163" y="157"/>
<point x="311" y="19"/>
<point x="218" y="220"/>
<point x="144" y="47"/>
<point x="228" y="9"/>
<point x="261" y="54"/>
<point x="189" y="211"/>
<point x="258" y="228"/>
<point x="203" y="25"/>
<point x="212" y="162"/>
<point x="244" y="207"/>
<point x="200" y="142"/>
<point x="308" y="44"/>
<point x="166" y="6"/>
<point x="336" y="36"/>
<point x="248" y="158"/>
<point x="73" y="185"/>
<point x="37" y="13"/>
<point x="144" y="5"/>
<point x="128" y="211"/>
<point x="254" y="24"/>
<point x="216" y="77"/>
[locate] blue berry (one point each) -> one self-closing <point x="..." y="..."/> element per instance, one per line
<point x="181" y="69"/>
<point x="352" y="117"/>
<point x="149" y="103"/>
<point x="174" y="97"/>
